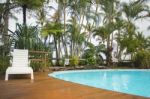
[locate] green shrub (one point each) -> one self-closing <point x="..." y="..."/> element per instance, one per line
<point x="142" y="59"/>
<point x="35" y="65"/>
<point x="89" y="55"/>
<point x="39" y="66"/>
<point x="82" y="62"/>
<point x="61" y="62"/>
<point x="4" y="63"/>
<point x="74" y="60"/>
<point x="91" y="61"/>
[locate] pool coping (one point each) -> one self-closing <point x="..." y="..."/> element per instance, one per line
<point x="53" y="74"/>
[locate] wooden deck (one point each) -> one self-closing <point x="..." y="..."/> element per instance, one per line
<point x="45" y="87"/>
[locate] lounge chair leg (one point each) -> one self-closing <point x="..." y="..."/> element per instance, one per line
<point x="32" y="77"/>
<point x="6" y="77"/>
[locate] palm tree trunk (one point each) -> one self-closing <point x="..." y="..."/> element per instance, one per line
<point x="6" y="20"/>
<point x="90" y="33"/>
<point x="65" y="47"/>
<point x="64" y="43"/>
<point x="59" y="48"/>
<point x="71" y="48"/>
<point x="57" y="55"/>
<point x="108" y="53"/>
<point x="24" y="14"/>
<point x="118" y="49"/>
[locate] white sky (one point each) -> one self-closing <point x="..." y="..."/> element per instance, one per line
<point x="142" y="24"/>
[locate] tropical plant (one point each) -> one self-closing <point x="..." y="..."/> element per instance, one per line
<point x="109" y="9"/>
<point x="141" y="41"/>
<point x="26" y="37"/>
<point x="142" y="59"/>
<point x="4" y="63"/>
<point x="4" y="20"/>
<point x="28" y="4"/>
<point x="74" y="60"/>
<point x="55" y="30"/>
<point x="133" y="9"/>
<point x="76" y="38"/>
<point x="90" y="55"/>
<point x="104" y="33"/>
<point x="129" y="39"/>
<point x="100" y="49"/>
<point x="5" y="56"/>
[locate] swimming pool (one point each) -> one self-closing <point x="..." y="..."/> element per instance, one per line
<point x="135" y="82"/>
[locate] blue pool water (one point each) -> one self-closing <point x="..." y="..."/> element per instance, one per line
<point x="136" y="82"/>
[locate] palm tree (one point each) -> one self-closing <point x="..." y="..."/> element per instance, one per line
<point x="62" y="6"/>
<point x="109" y="9"/>
<point x="132" y="11"/>
<point x="104" y="33"/>
<point x="141" y="41"/>
<point x="28" y="4"/>
<point x="55" y="30"/>
<point x="76" y="38"/>
<point x="120" y="26"/>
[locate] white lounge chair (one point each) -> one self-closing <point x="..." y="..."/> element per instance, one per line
<point x="20" y="64"/>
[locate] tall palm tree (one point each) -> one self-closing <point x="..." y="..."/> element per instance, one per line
<point x="55" y="30"/>
<point x="133" y="11"/>
<point x="76" y="38"/>
<point x="109" y="8"/>
<point x="28" y="4"/>
<point x="120" y="26"/>
<point x="62" y="6"/>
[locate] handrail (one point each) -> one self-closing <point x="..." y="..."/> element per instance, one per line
<point x="40" y="52"/>
<point x="44" y="58"/>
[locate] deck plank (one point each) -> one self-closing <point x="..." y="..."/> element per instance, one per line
<point x="45" y="87"/>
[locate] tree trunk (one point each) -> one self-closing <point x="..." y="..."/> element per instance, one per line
<point x="65" y="47"/>
<point x="108" y="53"/>
<point x="57" y="55"/>
<point x="64" y="43"/>
<point x="24" y="14"/>
<point x="59" y="48"/>
<point x="6" y="21"/>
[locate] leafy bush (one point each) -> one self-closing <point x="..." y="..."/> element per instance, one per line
<point x="74" y="60"/>
<point x="82" y="62"/>
<point x="27" y="37"/>
<point x="91" y="61"/>
<point x="4" y="57"/>
<point x="39" y="66"/>
<point x="4" y="63"/>
<point x="38" y="62"/>
<point x="142" y="59"/>
<point x="89" y="55"/>
<point x="36" y="66"/>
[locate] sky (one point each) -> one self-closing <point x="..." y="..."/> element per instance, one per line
<point x="143" y="24"/>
